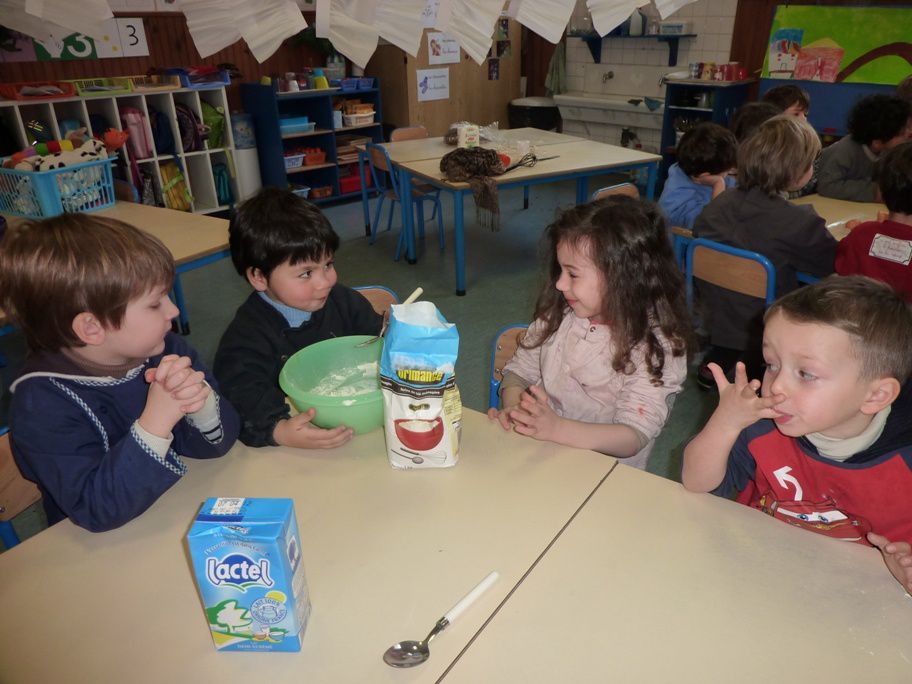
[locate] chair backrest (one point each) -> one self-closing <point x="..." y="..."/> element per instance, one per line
<point x="16" y="493"/>
<point x="739" y="270"/>
<point x="681" y="237"/>
<point x="381" y="298"/>
<point x="380" y="166"/>
<point x="125" y="192"/>
<point x="502" y="351"/>
<point x="628" y="189"/>
<point x="408" y="133"/>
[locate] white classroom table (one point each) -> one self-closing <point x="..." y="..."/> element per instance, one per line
<point x="576" y="160"/>
<point x="652" y="583"/>
<point x="435" y="148"/>
<point x="386" y="553"/>
<point x="837" y="212"/>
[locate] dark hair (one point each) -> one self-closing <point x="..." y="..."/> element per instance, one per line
<point x="643" y="287"/>
<point x="904" y="89"/>
<point x="874" y="315"/>
<point x="878" y="117"/>
<point x="779" y="152"/>
<point x="749" y="117"/>
<point x="707" y="148"/>
<point x="893" y="175"/>
<point x="53" y="270"/>
<point x="785" y="96"/>
<point x="275" y="226"/>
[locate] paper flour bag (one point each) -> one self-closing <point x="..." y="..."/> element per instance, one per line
<point x="421" y="403"/>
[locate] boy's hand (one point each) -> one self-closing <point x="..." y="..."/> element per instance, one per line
<point x="716" y="181"/>
<point x="739" y="406"/>
<point x="897" y="556"/>
<point x="175" y="389"/>
<point x="535" y="417"/>
<point x="299" y="432"/>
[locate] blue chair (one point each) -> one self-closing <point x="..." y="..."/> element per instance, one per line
<point x="680" y="238"/>
<point x="16" y="493"/>
<point x="380" y="297"/>
<point x="730" y="268"/>
<point x="628" y="189"/>
<point x="502" y="351"/>
<point x="387" y="183"/>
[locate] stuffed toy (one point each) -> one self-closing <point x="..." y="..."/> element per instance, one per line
<point x="90" y="150"/>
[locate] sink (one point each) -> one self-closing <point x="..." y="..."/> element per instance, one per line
<point x="608" y="109"/>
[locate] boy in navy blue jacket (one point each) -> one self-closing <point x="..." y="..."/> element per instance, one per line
<point x="109" y="399"/>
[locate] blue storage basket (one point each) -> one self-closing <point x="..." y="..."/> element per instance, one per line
<point x="43" y="194"/>
<point x="349" y="85"/>
<point x="366" y="83"/>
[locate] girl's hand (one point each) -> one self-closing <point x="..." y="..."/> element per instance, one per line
<point x="502" y="416"/>
<point x="897" y="556"/>
<point x="739" y="406"/>
<point x="299" y="432"/>
<point x="535" y="417"/>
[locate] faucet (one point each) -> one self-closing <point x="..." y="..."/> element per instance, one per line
<point x="607" y="76"/>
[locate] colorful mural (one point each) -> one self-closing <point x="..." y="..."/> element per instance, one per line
<point x="840" y="44"/>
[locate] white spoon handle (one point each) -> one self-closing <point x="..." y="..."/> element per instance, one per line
<point x="412" y="297"/>
<point x="471" y="597"/>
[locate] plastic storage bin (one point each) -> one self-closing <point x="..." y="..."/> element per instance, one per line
<point x="100" y="87"/>
<point x="294" y="161"/>
<point x="366" y="83"/>
<point x="42" y="194"/>
<point x="300" y="124"/>
<point x="301" y="190"/>
<point x="14" y="91"/>
<point x="358" y="119"/>
<point x="199" y="81"/>
<point x="349" y="84"/>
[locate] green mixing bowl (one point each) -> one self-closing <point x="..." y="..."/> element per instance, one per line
<point x="340" y="380"/>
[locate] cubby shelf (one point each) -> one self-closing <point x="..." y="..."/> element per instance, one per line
<point x="269" y="107"/>
<point x="197" y="167"/>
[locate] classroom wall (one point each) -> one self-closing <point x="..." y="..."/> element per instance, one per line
<point x="712" y="20"/>
<point x="170" y="44"/>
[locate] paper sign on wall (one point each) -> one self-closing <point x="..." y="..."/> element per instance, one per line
<point x="429" y="15"/>
<point x="122" y="37"/>
<point x="433" y="84"/>
<point x="442" y="49"/>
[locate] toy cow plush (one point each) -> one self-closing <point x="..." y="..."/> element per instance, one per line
<point x="90" y="150"/>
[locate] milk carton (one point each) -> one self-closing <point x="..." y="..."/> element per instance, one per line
<point x="247" y="558"/>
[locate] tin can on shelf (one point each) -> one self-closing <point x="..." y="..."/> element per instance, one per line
<point x="708" y="72"/>
<point x="694" y="68"/>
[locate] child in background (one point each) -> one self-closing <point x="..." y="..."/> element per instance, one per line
<point x="706" y="159"/>
<point x="756" y="216"/>
<point x="284" y="246"/>
<point x="827" y="446"/>
<point x="789" y="99"/>
<point x="109" y="400"/>
<point x="749" y="117"/>
<point x="882" y="249"/>
<point x="876" y="123"/>
<point x="600" y="366"/>
<point x="904" y="89"/>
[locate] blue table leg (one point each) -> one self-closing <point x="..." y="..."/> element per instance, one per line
<point x="405" y="181"/>
<point x="365" y="200"/>
<point x="459" y="239"/>
<point x="182" y="317"/>
<point x="526" y="196"/>
<point x="651" y="180"/>
<point x="582" y="189"/>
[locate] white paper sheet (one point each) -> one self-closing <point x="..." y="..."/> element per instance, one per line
<point x="471" y="22"/>
<point x="400" y="22"/>
<point x="55" y="17"/>
<point x="548" y="18"/>
<point x="353" y="39"/>
<point x="668" y="7"/>
<point x="609" y="14"/>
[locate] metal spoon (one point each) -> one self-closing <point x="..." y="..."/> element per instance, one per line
<point x="411" y="298"/>
<point x="411" y="653"/>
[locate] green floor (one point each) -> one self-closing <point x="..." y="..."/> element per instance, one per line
<point x="503" y="276"/>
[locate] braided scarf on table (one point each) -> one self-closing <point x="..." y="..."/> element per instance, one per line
<point x="475" y="166"/>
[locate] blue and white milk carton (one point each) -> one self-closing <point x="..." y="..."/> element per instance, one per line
<point x="247" y="559"/>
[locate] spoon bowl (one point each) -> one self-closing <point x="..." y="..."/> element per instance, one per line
<point x="411" y="653"/>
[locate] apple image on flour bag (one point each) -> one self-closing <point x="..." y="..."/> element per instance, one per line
<point x="422" y="409"/>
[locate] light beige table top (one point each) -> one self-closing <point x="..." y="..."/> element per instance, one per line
<point x="435" y="148"/>
<point x="572" y="157"/>
<point x="386" y="553"/>
<point x="837" y="212"/>
<point x="651" y="583"/>
<point x="188" y="236"/>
